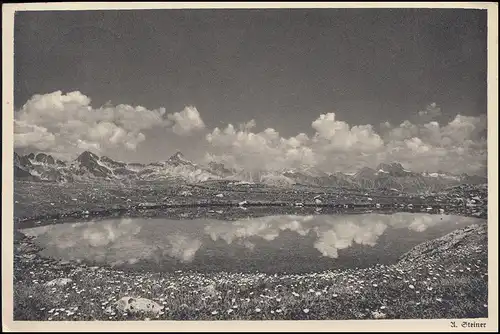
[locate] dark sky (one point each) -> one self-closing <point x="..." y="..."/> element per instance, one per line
<point x="280" y="67"/>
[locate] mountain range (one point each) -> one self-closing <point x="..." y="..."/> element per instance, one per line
<point x="89" y="166"/>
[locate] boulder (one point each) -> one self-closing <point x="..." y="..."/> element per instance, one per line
<point x="378" y="315"/>
<point x="137" y="305"/>
<point x="210" y="290"/>
<point x="59" y="282"/>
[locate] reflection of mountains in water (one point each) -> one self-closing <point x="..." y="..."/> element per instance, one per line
<point x="273" y="243"/>
<point x="393" y="176"/>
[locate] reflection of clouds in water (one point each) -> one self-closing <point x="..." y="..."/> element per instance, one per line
<point x="183" y="247"/>
<point x="421" y="221"/>
<point x="114" y="241"/>
<point x="131" y="240"/>
<point x="102" y="234"/>
<point x="342" y="235"/>
<point x="267" y="228"/>
<point x="91" y="233"/>
<point x="332" y="232"/>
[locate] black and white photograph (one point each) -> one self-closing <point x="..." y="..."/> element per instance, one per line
<point x="234" y="164"/>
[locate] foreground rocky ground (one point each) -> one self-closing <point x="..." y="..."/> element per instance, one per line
<point x="442" y="278"/>
<point x="52" y="202"/>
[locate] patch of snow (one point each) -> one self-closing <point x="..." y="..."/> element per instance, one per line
<point x="35" y="173"/>
<point x="181" y="158"/>
<point x="135" y="168"/>
<point x="239" y="183"/>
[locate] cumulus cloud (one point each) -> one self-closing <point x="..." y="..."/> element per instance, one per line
<point x="421" y="144"/>
<point x="267" y="150"/>
<point x="31" y="135"/>
<point x="431" y="111"/>
<point x="187" y="121"/>
<point x="334" y="142"/>
<point x="339" y="136"/>
<point x="459" y="146"/>
<point x="66" y="124"/>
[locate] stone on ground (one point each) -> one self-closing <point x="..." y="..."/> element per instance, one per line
<point x="137" y="305"/>
<point x="59" y="282"/>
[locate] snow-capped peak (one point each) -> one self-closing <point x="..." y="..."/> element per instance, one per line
<point x="178" y="158"/>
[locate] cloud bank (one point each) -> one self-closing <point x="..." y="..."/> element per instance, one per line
<point x="66" y="124"/>
<point x="420" y="145"/>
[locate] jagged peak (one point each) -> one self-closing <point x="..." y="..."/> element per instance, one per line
<point x="179" y="157"/>
<point x="45" y="158"/>
<point x="390" y="165"/>
<point x="87" y="155"/>
<point x="40" y="157"/>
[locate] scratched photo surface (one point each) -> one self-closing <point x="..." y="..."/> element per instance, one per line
<point x="251" y="164"/>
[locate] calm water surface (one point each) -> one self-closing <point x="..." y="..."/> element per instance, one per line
<point x="286" y="243"/>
